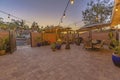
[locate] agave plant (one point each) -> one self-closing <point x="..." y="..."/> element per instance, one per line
<point x="116" y="47"/>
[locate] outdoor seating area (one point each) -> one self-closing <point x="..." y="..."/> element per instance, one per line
<point x="60" y="40"/>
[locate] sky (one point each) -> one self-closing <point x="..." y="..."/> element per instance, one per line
<point x="44" y="12"/>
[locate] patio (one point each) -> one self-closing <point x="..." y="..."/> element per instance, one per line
<point x="43" y="64"/>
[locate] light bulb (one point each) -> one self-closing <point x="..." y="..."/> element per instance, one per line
<point x="64" y="15"/>
<point x="116" y="9"/>
<point x="8" y="15"/>
<point x="72" y="1"/>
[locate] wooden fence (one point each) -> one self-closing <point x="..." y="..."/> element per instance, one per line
<point x="36" y="37"/>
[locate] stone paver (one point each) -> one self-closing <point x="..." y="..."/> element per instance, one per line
<point x="42" y="63"/>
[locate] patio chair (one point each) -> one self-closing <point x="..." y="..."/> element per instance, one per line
<point x="99" y="46"/>
<point x="87" y="45"/>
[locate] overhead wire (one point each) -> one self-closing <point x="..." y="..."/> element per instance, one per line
<point x="10" y="15"/>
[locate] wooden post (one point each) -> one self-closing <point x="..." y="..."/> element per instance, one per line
<point x="117" y="34"/>
<point x="56" y="34"/>
<point x="90" y="34"/>
<point x="31" y="39"/>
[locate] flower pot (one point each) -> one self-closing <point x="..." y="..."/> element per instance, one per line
<point x="116" y="59"/>
<point x="53" y="46"/>
<point x="38" y="44"/>
<point x="2" y="52"/>
<point x="58" y="46"/>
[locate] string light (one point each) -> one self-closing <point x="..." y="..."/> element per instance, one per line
<point x="72" y="1"/>
<point x="10" y="15"/>
<point x="64" y="15"/>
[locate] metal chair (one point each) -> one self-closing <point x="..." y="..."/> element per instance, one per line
<point x="99" y="46"/>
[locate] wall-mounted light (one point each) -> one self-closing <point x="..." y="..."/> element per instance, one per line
<point x="116" y="9"/>
<point x="72" y="1"/>
<point x="117" y="5"/>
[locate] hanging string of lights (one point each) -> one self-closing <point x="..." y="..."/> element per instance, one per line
<point x="10" y="15"/>
<point x="64" y="13"/>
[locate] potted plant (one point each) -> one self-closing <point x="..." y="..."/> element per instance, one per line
<point x="116" y="53"/>
<point x="3" y="46"/>
<point x="115" y="46"/>
<point x="39" y="41"/>
<point x="58" y="44"/>
<point x="53" y="46"/>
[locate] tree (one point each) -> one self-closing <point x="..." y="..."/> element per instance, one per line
<point x="19" y="24"/>
<point x="15" y="24"/>
<point x="35" y="26"/>
<point x="26" y="27"/>
<point x="3" y="25"/>
<point x="98" y="11"/>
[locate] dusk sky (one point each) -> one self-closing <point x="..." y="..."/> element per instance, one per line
<point x="44" y="12"/>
